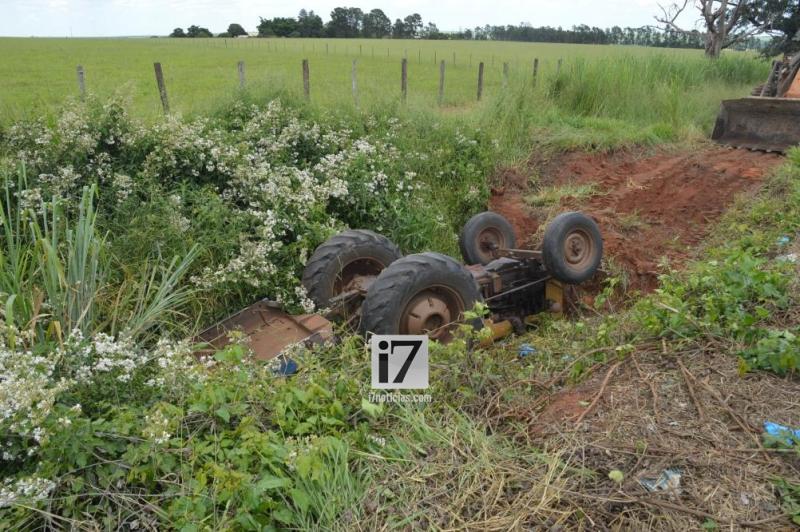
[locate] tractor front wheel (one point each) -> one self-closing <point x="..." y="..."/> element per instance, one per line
<point x="482" y="234"/>
<point x="572" y="247"/>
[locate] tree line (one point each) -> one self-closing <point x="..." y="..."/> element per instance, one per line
<point x="352" y="22"/>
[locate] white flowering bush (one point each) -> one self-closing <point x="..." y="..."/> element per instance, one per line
<point x="118" y="237"/>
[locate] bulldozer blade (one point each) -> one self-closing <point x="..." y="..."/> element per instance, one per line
<point x="769" y="124"/>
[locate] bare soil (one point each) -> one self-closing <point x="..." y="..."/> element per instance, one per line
<point x="649" y="207"/>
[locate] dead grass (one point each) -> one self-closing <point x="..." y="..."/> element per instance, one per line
<point x="662" y="409"/>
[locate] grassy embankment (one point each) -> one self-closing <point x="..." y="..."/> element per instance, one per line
<point x="116" y="429"/>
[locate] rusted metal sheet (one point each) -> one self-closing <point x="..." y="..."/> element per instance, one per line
<point x="266" y="329"/>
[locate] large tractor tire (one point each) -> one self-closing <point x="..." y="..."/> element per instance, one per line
<point x="572" y="247"/>
<point x="345" y="262"/>
<point x="426" y="293"/>
<point x="483" y="233"/>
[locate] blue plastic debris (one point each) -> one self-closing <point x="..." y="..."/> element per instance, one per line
<point x="790" y="436"/>
<point x="783" y="240"/>
<point x="526" y="349"/>
<point x="286" y="367"/>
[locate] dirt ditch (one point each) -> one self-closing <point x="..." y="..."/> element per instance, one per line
<point x="649" y="206"/>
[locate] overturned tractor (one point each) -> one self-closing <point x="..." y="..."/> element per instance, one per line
<point x="362" y="281"/>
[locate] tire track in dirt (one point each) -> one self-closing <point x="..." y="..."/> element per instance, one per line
<point x="648" y="207"/>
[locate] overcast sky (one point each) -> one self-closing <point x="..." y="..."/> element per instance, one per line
<point x="94" y="18"/>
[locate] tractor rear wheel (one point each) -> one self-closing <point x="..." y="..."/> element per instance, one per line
<point x="572" y="247"/>
<point x="483" y="233"/>
<point x="426" y="293"/>
<point x="345" y="262"/>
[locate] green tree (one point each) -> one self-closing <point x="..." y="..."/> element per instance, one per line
<point x="196" y="31"/>
<point x="278" y="27"/>
<point x="376" y="24"/>
<point x="309" y="24"/>
<point x="413" y="25"/>
<point x="345" y="22"/>
<point x="236" y="30"/>
<point x="178" y="32"/>
<point x="399" y="30"/>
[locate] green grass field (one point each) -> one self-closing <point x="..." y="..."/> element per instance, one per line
<point x="37" y="75"/>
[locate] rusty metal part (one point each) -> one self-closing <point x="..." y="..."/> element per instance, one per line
<point x="350" y="287"/>
<point x="490" y="240"/>
<point x="579" y="249"/>
<point x="431" y="312"/>
<point x="519" y="254"/>
<point x="266" y="329"/>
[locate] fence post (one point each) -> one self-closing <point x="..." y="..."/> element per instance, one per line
<point x="162" y="88"/>
<point x="435" y="58"/>
<point x="441" y="82"/>
<point x="419" y="56"/>
<point x="505" y="75"/>
<point x="241" y="74"/>
<point x="81" y="82"/>
<point x="326" y="49"/>
<point x="360" y="51"/>
<point x="306" y="80"/>
<point x="354" y="80"/>
<point x="404" y="79"/>
<point x="535" y="70"/>
<point x="480" y="80"/>
<point x="558" y="68"/>
<point x="454" y="59"/>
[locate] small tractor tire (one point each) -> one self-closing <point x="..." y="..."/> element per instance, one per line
<point x="336" y="263"/>
<point x="481" y="233"/>
<point x="572" y="247"/>
<point x="426" y="293"/>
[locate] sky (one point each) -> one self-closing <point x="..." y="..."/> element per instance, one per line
<point x="96" y="18"/>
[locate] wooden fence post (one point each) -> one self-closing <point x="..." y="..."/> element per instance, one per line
<point x="241" y="74"/>
<point x="306" y="80"/>
<point x="441" y="82"/>
<point x="535" y="70"/>
<point x="326" y="49"/>
<point x="435" y="59"/>
<point x="81" y="82"/>
<point x="162" y="88"/>
<point x="480" y="80"/>
<point x="354" y="80"/>
<point x="404" y="79"/>
<point x="558" y="68"/>
<point x="505" y="75"/>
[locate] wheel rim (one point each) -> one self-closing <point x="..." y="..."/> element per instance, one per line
<point x="579" y="249"/>
<point x="432" y="311"/>
<point x="490" y="239"/>
<point x="355" y="273"/>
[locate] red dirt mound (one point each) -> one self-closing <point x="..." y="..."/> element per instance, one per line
<point x="647" y="207"/>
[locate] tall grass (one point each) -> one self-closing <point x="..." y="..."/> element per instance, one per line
<point x="54" y="267"/>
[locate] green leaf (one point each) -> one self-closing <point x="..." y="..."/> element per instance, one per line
<point x="300" y="499"/>
<point x="271" y="482"/>
<point x="223" y="413"/>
